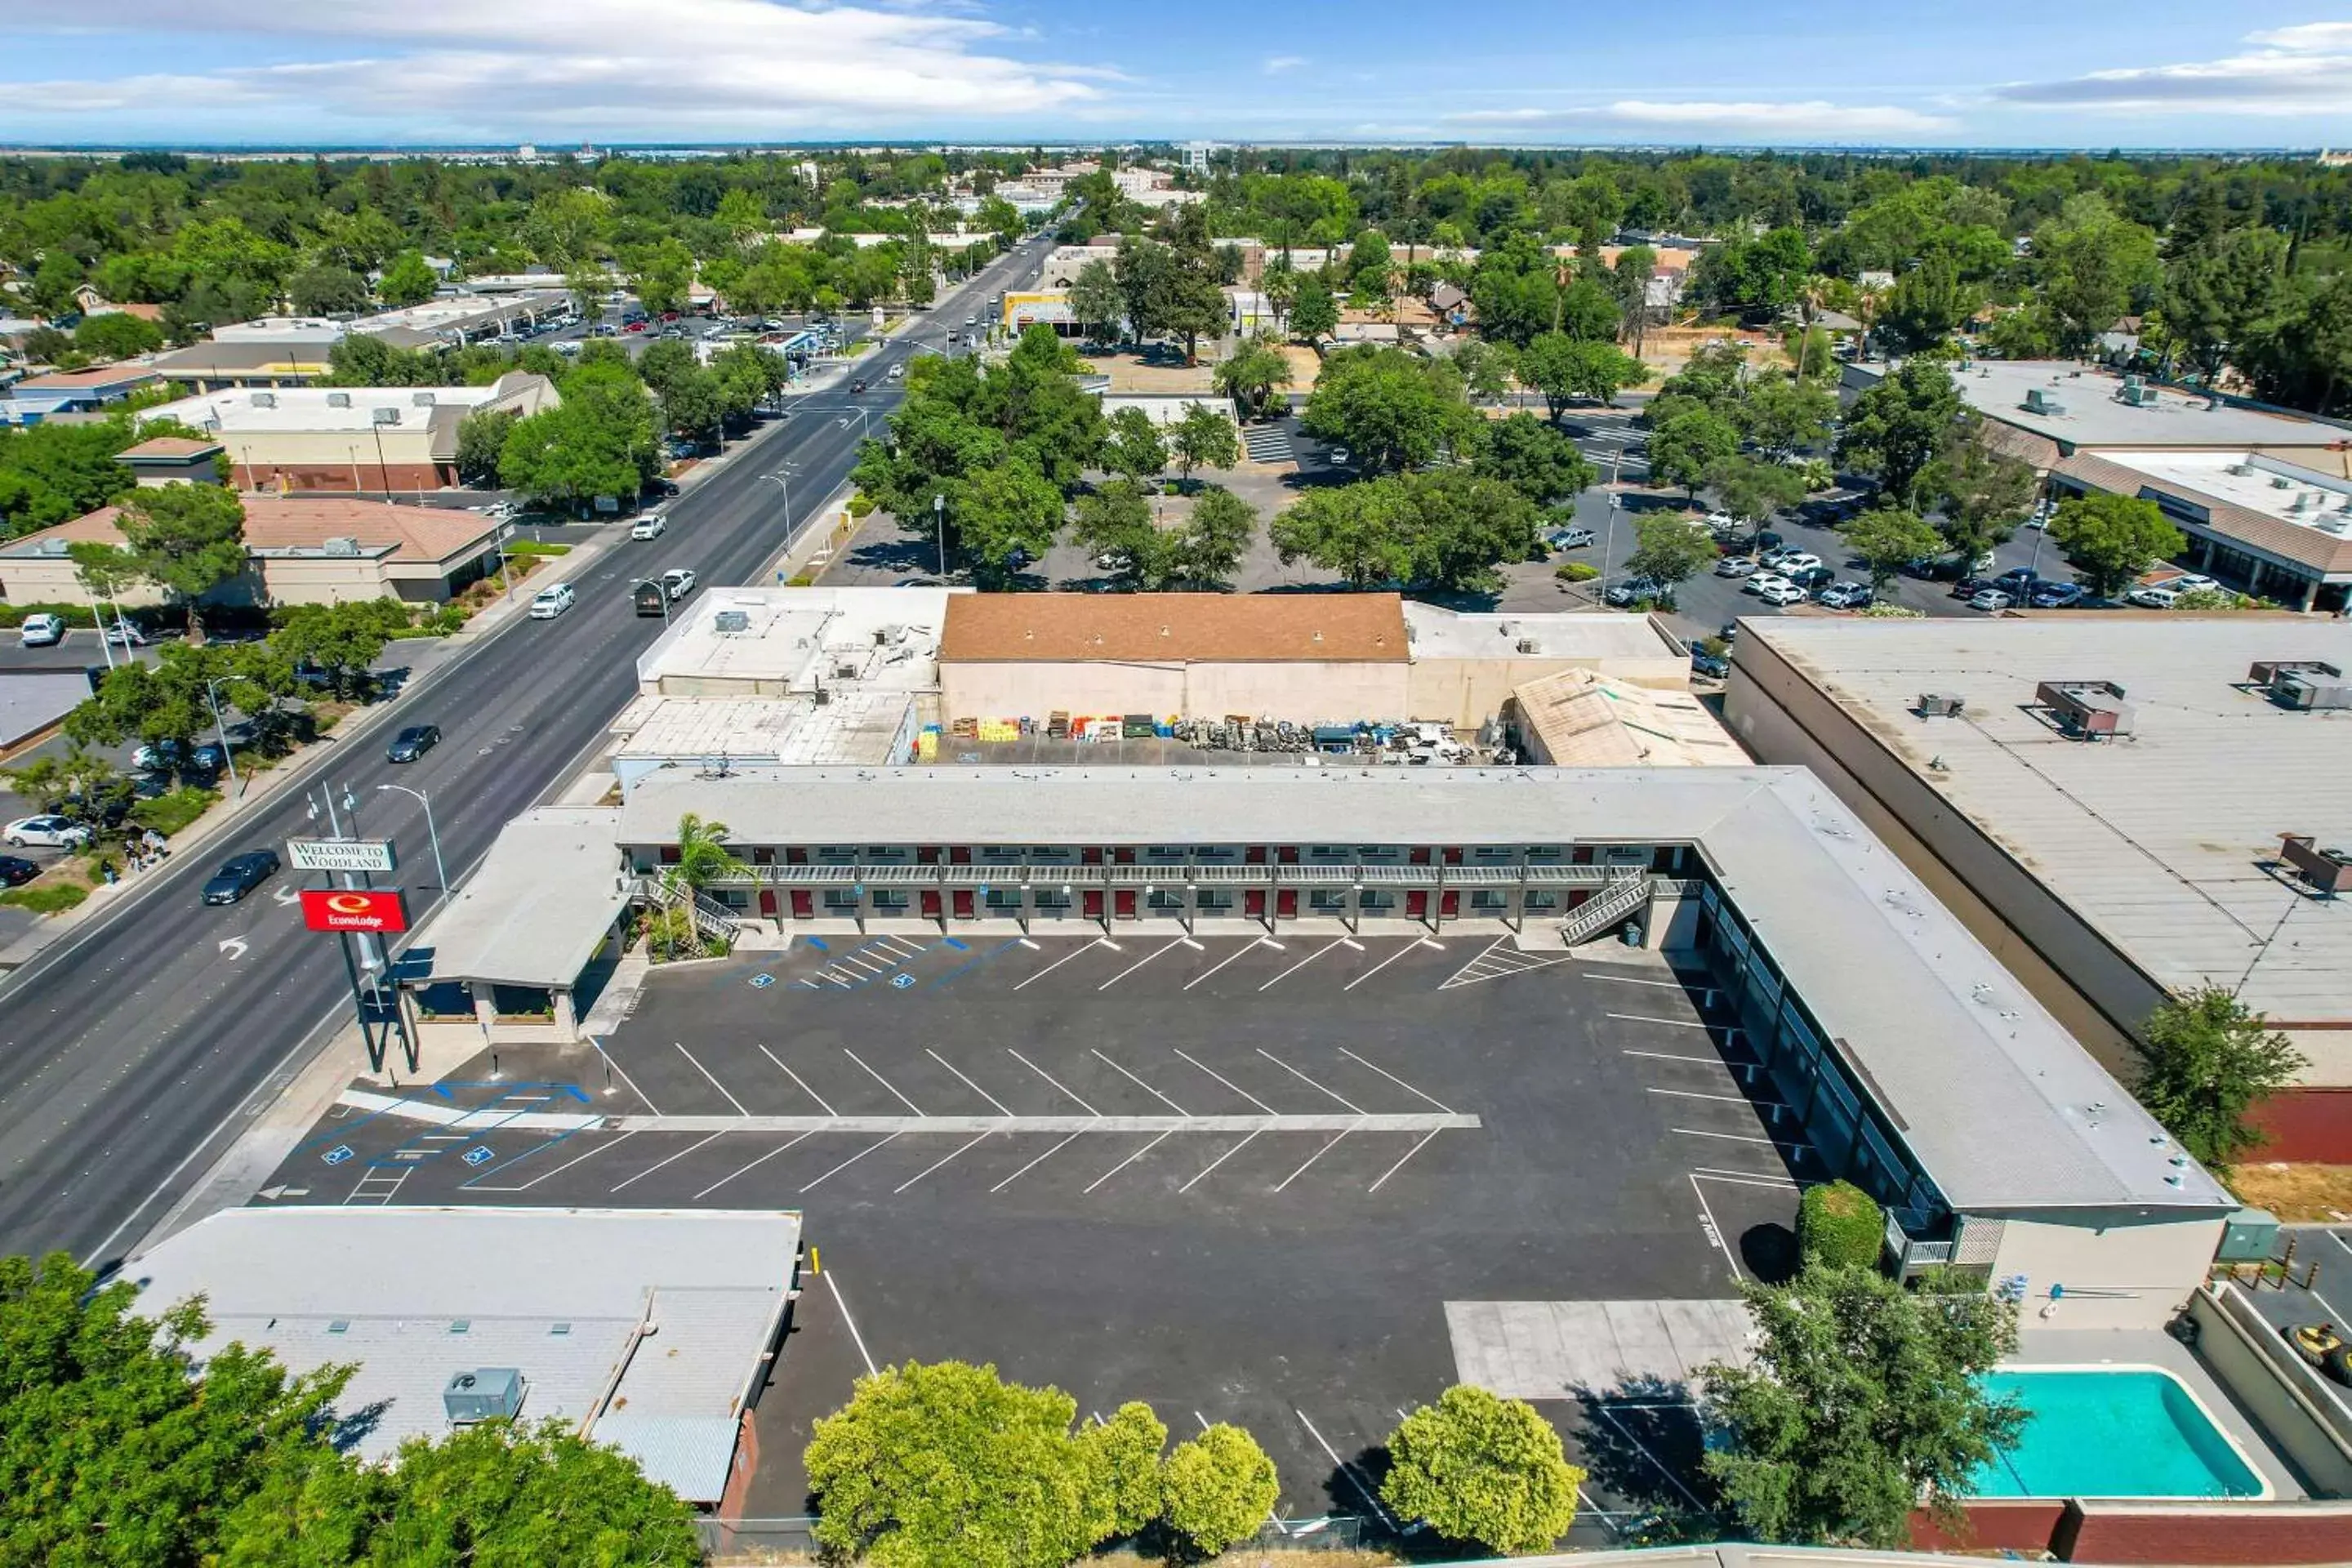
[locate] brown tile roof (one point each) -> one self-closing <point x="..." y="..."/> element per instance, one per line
<point x="2010" y="441"/>
<point x="161" y="446"/>
<point x="77" y="380"/>
<point x="1189" y="628"/>
<point x="418" y="534"/>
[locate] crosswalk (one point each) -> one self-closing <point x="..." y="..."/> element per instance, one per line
<point x="1268" y="443"/>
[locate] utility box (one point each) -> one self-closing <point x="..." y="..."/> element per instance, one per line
<point x="2086" y="710"/>
<point x="2248" y="1237"/>
<point x="1940" y="705"/>
<point x="494" y="1394"/>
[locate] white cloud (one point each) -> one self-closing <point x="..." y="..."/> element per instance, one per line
<point x="1812" y="118"/>
<point x="601" y="69"/>
<point x="2289" y="71"/>
<point x="1277" y="64"/>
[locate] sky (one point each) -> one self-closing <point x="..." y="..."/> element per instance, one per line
<point x="1996" y="73"/>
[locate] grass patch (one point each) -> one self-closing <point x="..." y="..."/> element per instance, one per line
<point x="536" y="547"/>
<point x="170" y="814"/>
<point x="48" y="898"/>
<point x="2294" y="1191"/>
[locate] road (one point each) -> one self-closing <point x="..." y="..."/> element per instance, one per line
<point x="131" y="1052"/>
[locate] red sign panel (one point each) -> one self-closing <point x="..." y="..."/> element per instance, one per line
<point x="354" y="909"/>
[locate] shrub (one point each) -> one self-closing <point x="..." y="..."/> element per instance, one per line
<point x="52" y="899"/>
<point x="1886" y="611"/>
<point x="1219" y="1488"/>
<point x="1482" y="1468"/>
<point x="1839" y="1226"/>
<point x="800" y="580"/>
<point x="1576" y="571"/>
<point x="74" y="614"/>
<point x="168" y="814"/>
<point x="861" y="505"/>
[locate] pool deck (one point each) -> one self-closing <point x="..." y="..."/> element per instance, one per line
<point x="2125" y="1347"/>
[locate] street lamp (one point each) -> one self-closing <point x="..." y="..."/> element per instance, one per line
<point x="940" y="527"/>
<point x="220" y="728"/>
<point x="783" y="475"/>
<point x="440" y="872"/>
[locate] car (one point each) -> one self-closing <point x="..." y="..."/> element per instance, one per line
<point x="1768" y="557"/>
<point x="856" y="386"/>
<point x="1845" y="596"/>
<point x="922" y="580"/>
<point x="1763" y="579"/>
<point x="239" y="875"/>
<point x="1113" y="561"/>
<point x="2023" y="576"/>
<point x="42" y="631"/>
<point x="1793" y="562"/>
<point x="2056" y="595"/>
<point x="1810" y="578"/>
<point x="2153" y="596"/>
<point x="122" y="634"/>
<point x="665" y="489"/>
<point x="898" y="372"/>
<point x="649" y="526"/>
<point x="59" y="832"/>
<point x="16" y="870"/>
<point x="1781" y="593"/>
<point x="209" y="758"/>
<point x="1992" y="599"/>
<point x="1632" y="591"/>
<point x="1709" y="665"/>
<point x="1969" y="587"/>
<point x="1569" y="538"/>
<point x="156" y="757"/>
<point x="1735" y="566"/>
<point x="549" y="603"/>
<point x="634" y="327"/>
<point x="677" y="583"/>
<point x="413" y="742"/>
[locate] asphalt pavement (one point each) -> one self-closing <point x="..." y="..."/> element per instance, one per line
<point x="133" y="1050"/>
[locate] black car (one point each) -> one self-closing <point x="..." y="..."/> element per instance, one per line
<point x="1969" y="587"/>
<point x="413" y="742"/>
<point x="16" y="870"/>
<point x="239" y="875"/>
<point x="855" y="387"/>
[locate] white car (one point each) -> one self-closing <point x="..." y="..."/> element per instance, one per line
<point x="677" y="583"/>
<point x="42" y="631"/>
<point x="1992" y="599"/>
<point x="1722" y="521"/>
<point x="1735" y="566"/>
<point x="1763" y="582"/>
<point x="2153" y="596"/>
<point x="897" y="373"/>
<point x="549" y="603"/>
<point x="1780" y="592"/>
<point x="649" y="526"/>
<point x="122" y="634"/>
<point x="2189" y="582"/>
<point x="1796" y="560"/>
<point x="63" y="832"/>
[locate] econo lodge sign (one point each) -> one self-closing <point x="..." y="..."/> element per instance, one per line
<point x="354" y="909"/>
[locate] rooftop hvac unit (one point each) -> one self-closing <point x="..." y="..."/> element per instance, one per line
<point x="1526" y="644"/>
<point x="2240" y="470"/>
<point x="341" y="546"/>
<point x="338" y="400"/>
<point x="2281" y="482"/>
<point x="2267" y="671"/>
<point x="2140" y="396"/>
<point x="1940" y="705"/>
<point x="2329" y="871"/>
<point x="421" y="399"/>
<point x="2306" y="685"/>
<point x="264" y="400"/>
<point x="387" y="416"/>
<point x="731" y="621"/>
<point x="486" y="1393"/>
<point x="2086" y="710"/>
<point x="2040" y="401"/>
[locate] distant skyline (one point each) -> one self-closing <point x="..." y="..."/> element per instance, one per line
<point x="2003" y="73"/>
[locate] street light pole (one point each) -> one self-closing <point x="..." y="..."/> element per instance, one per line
<point x="940" y="527"/>
<point x="440" y="872"/>
<point x="220" y="728"/>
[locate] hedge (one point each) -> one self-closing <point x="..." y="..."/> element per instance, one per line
<point x="860" y="504"/>
<point x="169" y="814"/>
<point x="1576" y="571"/>
<point x="1839" y="1226"/>
<point x="74" y="614"/>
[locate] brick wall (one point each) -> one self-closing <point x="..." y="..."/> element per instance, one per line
<point x="341" y="479"/>
<point x="2025" y="1526"/>
<point x="747" y="1461"/>
<point x="2272" y="1533"/>
<point x="2312" y="1124"/>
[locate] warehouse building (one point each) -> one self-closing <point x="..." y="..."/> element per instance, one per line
<point x="2124" y="808"/>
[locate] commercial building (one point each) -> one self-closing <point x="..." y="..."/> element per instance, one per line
<point x="1577" y="719"/>
<point x="266" y="363"/>
<point x="648" y="1331"/>
<point x="2106" y="801"/>
<point x="68" y="391"/>
<point x="2274" y="528"/>
<point x="458" y="319"/>
<point x="172" y="460"/>
<point x="349" y="440"/>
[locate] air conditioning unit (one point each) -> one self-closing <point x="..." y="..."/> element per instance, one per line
<point x="1526" y="644"/>
<point x="264" y="400"/>
<point x="2303" y="685"/>
<point x="2086" y="710"/>
<point x="485" y="1394"/>
<point x="2040" y="401"/>
<point x="338" y="400"/>
<point x="387" y="416"/>
<point x="421" y="399"/>
<point x="341" y="546"/>
<point x="2328" y="871"/>
<point x="729" y="621"/>
<point x="1940" y="705"/>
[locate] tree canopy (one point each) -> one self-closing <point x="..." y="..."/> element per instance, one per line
<point x="1388" y="408"/>
<point x="1482" y="1468"/>
<point x="1447" y="529"/>
<point x="2110" y="540"/>
<point x="2206" y="1060"/>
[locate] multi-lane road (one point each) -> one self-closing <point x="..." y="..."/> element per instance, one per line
<point x="133" y="1051"/>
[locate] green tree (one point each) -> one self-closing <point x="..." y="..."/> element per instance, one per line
<point x="599" y="441"/>
<point x="1250" y="374"/>
<point x="1536" y="460"/>
<point x="1141" y="268"/>
<point x="1122" y="1457"/>
<point x="343" y="640"/>
<point x="1898" y="426"/>
<point x="2109" y="540"/>
<point x="116" y="335"/>
<point x="1780" y="414"/>
<point x="187" y="540"/>
<point x="660" y="274"/>
<point x="1135" y="448"/>
<point x="52" y="472"/>
<point x="1388" y="409"/>
<point x="1982" y="495"/>
<point x="1564" y="369"/>
<point x="1482" y="1468"/>
<point x="1210" y="546"/>
<point x="1753" y="491"/>
<point x="481" y="437"/>
<point x="1004" y="512"/>
<point x="1486" y="368"/>
<point x="1687" y="445"/>
<point x="408" y="280"/>
<point x="1668" y="552"/>
<point x="1839" y="1226"/>
<point x="1315" y="315"/>
<point x="588" y="284"/>
<point x="1889" y="538"/>
<point x="1359" y="532"/>
<point x="327" y="292"/>
<point x="1114" y="521"/>
<point x="2217" y="294"/>
<point x="1220" y="1488"/>
<point x="2206" y="1060"/>
<point x="1096" y="301"/>
<point x="1863" y="1402"/>
<point x="2091" y="263"/>
<point x="1202" y="438"/>
<point x="1927" y="306"/>
<point x="1191" y="304"/>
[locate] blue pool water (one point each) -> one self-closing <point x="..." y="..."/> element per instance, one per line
<point x="2126" y="1433"/>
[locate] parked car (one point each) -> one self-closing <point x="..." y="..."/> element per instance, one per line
<point x="2056" y="595"/>
<point x="239" y="875"/>
<point x="156" y="757"/>
<point x="16" y="870"/>
<point x="1569" y="538"/>
<point x="1763" y="579"/>
<point x="650" y="526"/>
<point x="59" y="832"/>
<point x="1969" y="587"/>
<point x="2153" y="596"/>
<point x="122" y="634"/>
<point x="1735" y="566"/>
<point x="1846" y="595"/>
<point x="2017" y="581"/>
<point x="1811" y="579"/>
<point x="1709" y="665"/>
<point x="207" y="758"/>
<point x="1632" y="591"/>
<point x="413" y="742"/>
<point x="1992" y="599"/>
<point x="42" y="631"/>
<point x="1795" y="560"/>
<point x="549" y="603"/>
<point x="1722" y="521"/>
<point x="634" y="327"/>
<point x="1780" y="592"/>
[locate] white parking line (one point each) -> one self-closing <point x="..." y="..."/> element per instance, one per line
<point x="788" y="1073"/>
<point x="1311" y="1082"/>
<point x="1725" y="1098"/>
<point x="1384" y="964"/>
<point x="624" y="1078"/>
<point x="1311" y="958"/>
<point x="714" y="1081"/>
<point x="1038" y="1160"/>
<point x="1229" y="1083"/>
<point x="885" y="1082"/>
<point x="898" y="946"/>
<point x="1357" y="1480"/>
<point x="1744" y="1138"/>
<point x="1716" y="1231"/>
<point x="567" y="1164"/>
<point x="1409" y="1153"/>
<point x="871" y="1369"/>
<point x="1671" y="1476"/>
<point x="929" y="1169"/>
<point x="1140" y="1084"/>
<point x="1138" y="964"/>
<point x="1784" y="1186"/>
<point x="1770" y="1178"/>
<point x="967" y="1082"/>
<point x="1677" y="1023"/>
<point x="1310" y="1160"/>
<point x="1131" y="1159"/>
<point x="846" y="1164"/>
<point x="761" y="1161"/>
<point x="1247" y="947"/>
<point x="869" y="968"/>
<point x="681" y="1155"/>
<point x="1049" y="1078"/>
<point x="1098" y="941"/>
<point x="1221" y="1160"/>
<point x="1392" y="1077"/>
<point x="1635" y="980"/>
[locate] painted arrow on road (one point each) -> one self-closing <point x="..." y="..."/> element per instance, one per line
<point x="234" y="946"/>
<point x="288" y="896"/>
<point x="274" y="1194"/>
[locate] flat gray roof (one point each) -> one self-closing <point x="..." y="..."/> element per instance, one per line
<point x="2096" y="417"/>
<point x="536" y="908"/>
<point x="1994" y="1096"/>
<point x="415" y="1295"/>
<point x="31" y="702"/>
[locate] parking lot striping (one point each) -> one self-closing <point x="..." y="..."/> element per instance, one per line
<point x="1249" y="946"/>
<point x="967" y="1082"/>
<point x="1098" y="941"/>
<point x="1674" y="1479"/>
<point x="540" y="1148"/>
<point x="929" y="1169"/>
<point x="1677" y="1023"/>
<point x="559" y="1170"/>
<point x="1492" y="963"/>
<point x="1220" y="1160"/>
<point x="885" y="1082"/>
<point x="1635" y="980"/>
<point x="1715" y="1231"/>
<point x="761" y="1161"/>
<point x="1311" y="958"/>
<point x="1354" y="1478"/>
<point x="1038" y="1160"/>
<point x="978" y="958"/>
<point x="1745" y="1180"/>
<point x="869" y="968"/>
<point x="1140" y="962"/>
<point x="714" y="1081"/>
<point x="1229" y="1083"/>
<point x="846" y="1164"/>
<point x="1201" y="1419"/>
<point x="788" y="1073"/>
<point x="1747" y="1138"/>
<point x="1309" y="1081"/>
<point x="614" y="1068"/>
<point x="1140" y="1084"/>
<point x="1671" y="1056"/>
<point x="859" y="1339"/>
<point x="1312" y="1158"/>
<point x="1049" y="1078"/>
<point x="1025" y="942"/>
<point x="1416" y="943"/>
<point x="681" y="1155"/>
<point x="1393" y="1079"/>
<point x="1419" y="1143"/>
<point x="1772" y="1105"/>
<point x="949" y="1126"/>
<point x="1130" y="1160"/>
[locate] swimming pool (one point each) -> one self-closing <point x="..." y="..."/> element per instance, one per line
<point x="2114" y="1432"/>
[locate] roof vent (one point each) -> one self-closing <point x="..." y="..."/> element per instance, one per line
<point x="342" y="545"/>
<point x="264" y="400"/>
<point x="2086" y="710"/>
<point x="1526" y="644"/>
<point x="338" y="400"/>
<point x="2302" y="684"/>
<point x="2281" y="482"/>
<point x="2040" y="401"/>
<point x="387" y="416"/>
<point x="486" y="1393"/>
<point x="2240" y="470"/>
<point x="421" y="399"/>
<point x="727" y="622"/>
<point x="1940" y="705"/>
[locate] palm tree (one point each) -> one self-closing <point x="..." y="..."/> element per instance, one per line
<point x="1812" y="295"/>
<point x="1869" y="299"/>
<point x="703" y="859"/>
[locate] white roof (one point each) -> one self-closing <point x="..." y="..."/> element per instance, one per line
<point x="534" y="910"/>
<point x="2284" y="491"/>
<point x="245" y="410"/>
<point x="1436" y="632"/>
<point x="644" y="1329"/>
<point x="796" y="640"/>
<point x="2096" y="417"/>
<point x="853" y="726"/>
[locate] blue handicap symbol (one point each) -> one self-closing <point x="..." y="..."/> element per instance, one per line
<point x="338" y="1154"/>
<point x="761" y="982"/>
<point x="902" y="981"/>
<point x="478" y="1154"/>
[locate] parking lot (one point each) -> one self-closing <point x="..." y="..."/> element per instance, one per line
<point x="1237" y="1178"/>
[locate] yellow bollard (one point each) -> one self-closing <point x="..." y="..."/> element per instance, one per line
<point x="813" y="1266"/>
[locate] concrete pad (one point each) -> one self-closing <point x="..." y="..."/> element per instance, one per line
<point x="1554" y="1349"/>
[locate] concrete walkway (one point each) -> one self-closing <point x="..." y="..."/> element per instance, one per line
<point x="1559" y="1349"/>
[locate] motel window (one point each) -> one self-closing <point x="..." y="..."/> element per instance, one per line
<point x="1212" y="900"/>
<point x="1380" y="854"/>
<point x="889" y="899"/>
<point x="1165" y="854"/>
<point x="1539" y="899"/>
<point x="1372" y="899"/>
<point x="1491" y="853"/>
<point x="1487" y="899"/>
<point x="840" y="899"/>
<point x="1328" y="900"/>
<point x="1161" y="899"/>
<point x="1051" y="899"/>
<point x="1003" y="899"/>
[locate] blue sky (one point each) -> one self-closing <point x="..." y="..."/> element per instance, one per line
<point x="2095" y="73"/>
